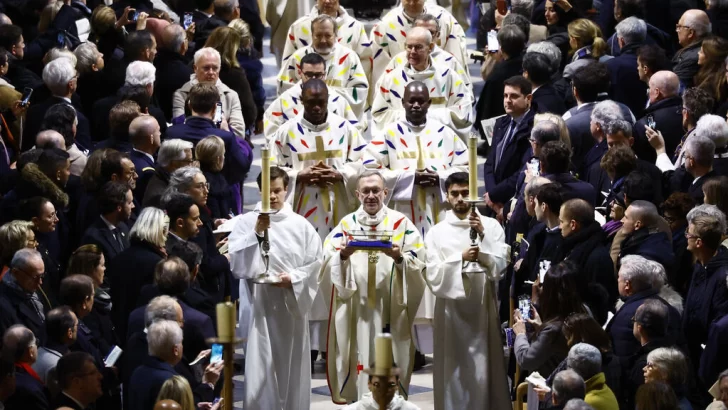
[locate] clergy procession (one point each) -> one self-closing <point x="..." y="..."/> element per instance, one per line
<point x="333" y="204"/>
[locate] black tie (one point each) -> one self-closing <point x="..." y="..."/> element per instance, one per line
<point x="119" y="240"/>
<point x="509" y="134"/>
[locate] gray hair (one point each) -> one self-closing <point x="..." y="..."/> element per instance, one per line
<point x="605" y="112"/>
<point x="585" y="360"/>
<point x="427" y="18"/>
<point x="87" y="54"/>
<point x="698" y="20"/>
<point x="320" y="19"/>
<point x="16" y="341"/>
<point x="207" y="52"/>
<point x="534" y="184"/>
<point x="658" y="274"/>
<point x="632" y="30"/>
<point x="369" y="173"/>
<point x="709" y="222"/>
<point x="550" y="50"/>
<point x="577" y="404"/>
<point x="425" y="33"/>
<point x="225" y="7"/>
<point x="568" y="385"/>
<point x="163" y="336"/>
<point x="172" y="150"/>
<point x="713" y="127"/>
<point x="545" y="131"/>
<point x="140" y="73"/>
<point x="151" y="226"/>
<point x="24" y="257"/>
<point x="174" y="36"/>
<point x="50" y="137"/>
<point x="701" y="149"/>
<point x="671" y="362"/>
<point x="522" y="7"/>
<point x="161" y="308"/>
<point x="56" y="53"/>
<point x="181" y="180"/>
<point x="618" y="125"/>
<point x="57" y="74"/>
<point x="638" y="271"/>
<point x="519" y="21"/>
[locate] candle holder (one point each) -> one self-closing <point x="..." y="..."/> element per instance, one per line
<point x="226" y="318"/>
<point x="473" y="267"/>
<point x="266" y="277"/>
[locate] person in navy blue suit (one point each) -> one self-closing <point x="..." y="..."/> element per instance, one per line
<point x="510" y="147"/>
<point x="145" y="136"/>
<point x="626" y="86"/>
<point x="172" y="278"/>
<point x="165" y="347"/>
<point x="21" y="346"/>
<point x="202" y="103"/>
<point x="643" y="236"/>
<point x="537" y="69"/>
<point x="110" y="231"/>
<point x="554" y="161"/>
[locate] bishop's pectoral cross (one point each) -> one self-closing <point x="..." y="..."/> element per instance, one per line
<point x="321" y="155"/>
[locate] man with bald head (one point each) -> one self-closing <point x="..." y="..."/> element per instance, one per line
<point x="694" y="26"/>
<point x="50" y="139"/>
<point x="644" y="238"/>
<point x="173" y="69"/>
<point x="21" y="346"/>
<point x="390" y="35"/>
<point x="665" y="111"/>
<point x="345" y="71"/>
<point x="450" y="99"/>
<point x="145" y="136"/>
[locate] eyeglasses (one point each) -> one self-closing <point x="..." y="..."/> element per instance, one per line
<point x="691" y="236"/>
<point x="33" y="277"/>
<point x="203" y="185"/>
<point x="650" y="365"/>
<point x="679" y="27"/>
<point x="684" y="108"/>
<point x="415" y="47"/>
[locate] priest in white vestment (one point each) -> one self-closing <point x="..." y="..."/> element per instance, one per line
<point x="389" y="35"/>
<point x="321" y="152"/>
<point x="344" y="71"/>
<point x="451" y="101"/>
<point x="281" y="14"/>
<point x="370" y="292"/>
<point x="277" y="364"/>
<point x="469" y="370"/>
<point x="289" y="104"/>
<point x="350" y="32"/>
<point x="439" y="56"/>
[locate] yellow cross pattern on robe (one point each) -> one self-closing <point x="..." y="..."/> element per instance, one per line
<point x="321" y="154"/>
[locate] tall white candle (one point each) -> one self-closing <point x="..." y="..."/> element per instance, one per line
<point x="265" y="178"/>
<point x="473" y="166"/>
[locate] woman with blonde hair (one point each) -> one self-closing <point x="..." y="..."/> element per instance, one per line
<point x="586" y="44"/>
<point x="227" y="42"/>
<point x="14" y="236"/>
<point x="210" y="152"/>
<point x="249" y="60"/>
<point x="177" y="388"/>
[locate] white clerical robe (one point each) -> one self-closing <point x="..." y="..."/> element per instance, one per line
<point x="451" y="102"/>
<point x="367" y="403"/>
<point x="289" y="104"/>
<point x="280" y="15"/>
<point x="367" y="293"/>
<point x="388" y="37"/>
<point x="349" y="32"/>
<point x="344" y="72"/>
<point x="440" y="58"/>
<point x="277" y="360"/>
<point x="469" y="368"/>
<point x="395" y="152"/>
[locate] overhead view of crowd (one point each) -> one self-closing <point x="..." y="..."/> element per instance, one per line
<point x="550" y="234"/>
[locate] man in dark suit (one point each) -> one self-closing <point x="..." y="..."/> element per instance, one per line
<point x="165" y="347"/>
<point x="699" y="152"/>
<point x="626" y="86"/>
<point x="537" y="69"/>
<point x="184" y="219"/>
<point x="554" y="162"/>
<point x="79" y="381"/>
<point x="665" y="111"/>
<point x="205" y="9"/>
<point x="140" y="45"/>
<point x="21" y="346"/>
<point x="11" y="39"/>
<point x="227" y="11"/>
<point x="173" y="69"/>
<point x="110" y="232"/>
<point x="510" y="148"/>
<point x="505" y="64"/>
<point x="19" y="300"/>
<point x="145" y="137"/>
<point x="61" y="79"/>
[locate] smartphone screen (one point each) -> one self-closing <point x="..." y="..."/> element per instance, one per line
<point x="218" y="114"/>
<point x="132" y="15"/>
<point x="187" y="22"/>
<point x="27" y="92"/>
<point x="216" y="355"/>
<point x="493" y="44"/>
<point x="60" y="40"/>
<point x="651" y="122"/>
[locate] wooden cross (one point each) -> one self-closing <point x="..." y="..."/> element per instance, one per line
<point x="321" y="154"/>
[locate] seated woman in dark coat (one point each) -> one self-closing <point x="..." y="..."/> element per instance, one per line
<point x="220" y="200"/>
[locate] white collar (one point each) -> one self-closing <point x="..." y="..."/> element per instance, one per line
<point x="74" y="399"/>
<point x="200" y="11"/>
<point x="145" y="153"/>
<point x="108" y="224"/>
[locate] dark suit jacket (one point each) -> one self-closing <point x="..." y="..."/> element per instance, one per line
<point x="34" y="120"/>
<point x="30" y="394"/>
<point x="100" y="235"/>
<point x="214" y="276"/>
<point x="147" y="380"/>
<point x="145" y="169"/>
<point x="548" y="100"/>
<point x="195" y="297"/>
<point x="668" y="119"/>
<point x="100" y="122"/>
<point x="490" y="103"/>
<point x="64" y="401"/>
<point x="500" y="181"/>
<point x="626" y="86"/>
<point x="715" y="357"/>
<point x="173" y="71"/>
<point x="17" y="308"/>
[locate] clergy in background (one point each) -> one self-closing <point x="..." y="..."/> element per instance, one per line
<point x="320" y="152"/>
<point x="389" y="35"/>
<point x="373" y="292"/>
<point x="276" y="362"/>
<point x="349" y="31"/>
<point x="469" y="366"/>
<point x="451" y="100"/>
<point x="289" y="104"/>
<point x="344" y="71"/>
<point x="439" y="56"/>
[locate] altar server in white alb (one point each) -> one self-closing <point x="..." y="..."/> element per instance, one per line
<point x="344" y="70"/>
<point x="450" y="97"/>
<point x="469" y="368"/>
<point x="349" y="31"/>
<point x="373" y="292"/>
<point x="277" y="361"/>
